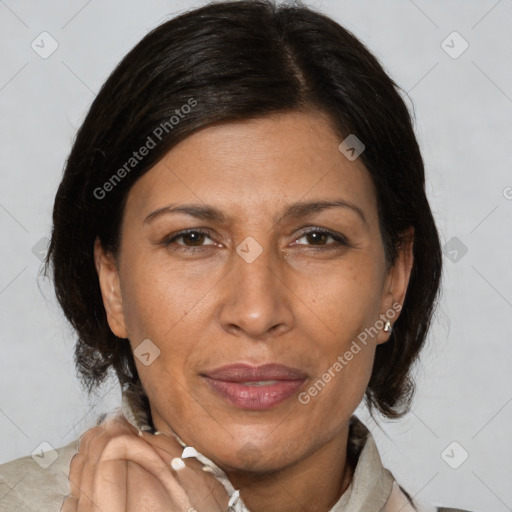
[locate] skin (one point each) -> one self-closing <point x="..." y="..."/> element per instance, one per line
<point x="302" y="301"/>
<point x="118" y="471"/>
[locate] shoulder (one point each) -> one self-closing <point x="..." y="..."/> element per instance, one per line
<point x="38" y="481"/>
<point x="385" y="494"/>
<point x="399" y="500"/>
<point x="445" y="509"/>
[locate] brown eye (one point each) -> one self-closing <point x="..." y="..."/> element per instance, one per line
<point x="320" y="238"/>
<point x="317" y="238"/>
<point x="193" y="238"/>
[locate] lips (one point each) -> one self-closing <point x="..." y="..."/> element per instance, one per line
<point x="255" y="388"/>
<point x="247" y="373"/>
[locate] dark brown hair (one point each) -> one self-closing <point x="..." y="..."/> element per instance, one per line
<point x="233" y="61"/>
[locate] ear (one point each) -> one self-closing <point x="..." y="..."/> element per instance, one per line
<point x="396" y="283"/>
<point x="108" y="276"/>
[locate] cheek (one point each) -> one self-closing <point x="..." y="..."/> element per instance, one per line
<point x="343" y="380"/>
<point x="347" y="298"/>
<point x="167" y="305"/>
<point x="347" y="303"/>
<point x="157" y="296"/>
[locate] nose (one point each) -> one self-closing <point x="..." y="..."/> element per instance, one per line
<point x="257" y="299"/>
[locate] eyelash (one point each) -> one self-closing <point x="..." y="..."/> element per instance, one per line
<point x="339" y="239"/>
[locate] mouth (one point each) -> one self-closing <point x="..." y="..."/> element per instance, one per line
<point x="255" y="388"/>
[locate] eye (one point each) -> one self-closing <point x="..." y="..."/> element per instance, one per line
<point x="195" y="237"/>
<point x="192" y="240"/>
<point x="319" y="237"/>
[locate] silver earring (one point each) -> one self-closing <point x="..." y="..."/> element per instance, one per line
<point x="388" y="327"/>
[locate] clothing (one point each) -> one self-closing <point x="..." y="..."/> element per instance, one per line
<point x="25" y="486"/>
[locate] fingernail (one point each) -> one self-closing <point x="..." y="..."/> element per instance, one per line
<point x="189" y="451"/>
<point x="177" y="464"/>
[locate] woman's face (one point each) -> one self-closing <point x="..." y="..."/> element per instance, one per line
<point x="250" y="286"/>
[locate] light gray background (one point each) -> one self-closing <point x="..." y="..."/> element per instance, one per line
<point x="463" y="109"/>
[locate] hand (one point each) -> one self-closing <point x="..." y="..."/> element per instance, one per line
<point x="116" y="470"/>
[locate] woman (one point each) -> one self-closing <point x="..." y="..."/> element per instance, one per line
<point x="242" y="235"/>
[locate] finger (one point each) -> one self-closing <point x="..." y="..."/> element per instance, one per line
<point x="85" y="439"/>
<point x="84" y="483"/>
<point x="130" y="448"/>
<point x="80" y="482"/>
<point x="76" y="467"/>
<point x="91" y="446"/>
<point x="201" y="486"/>
<point x="109" y="489"/>
<point x="94" y="445"/>
<point x="190" y="479"/>
<point x="111" y="424"/>
<point x="110" y="496"/>
<point x="70" y="504"/>
<point x="110" y="485"/>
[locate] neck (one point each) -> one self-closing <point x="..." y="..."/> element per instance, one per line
<point x="314" y="483"/>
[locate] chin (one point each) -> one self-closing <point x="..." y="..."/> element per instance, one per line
<point x="239" y="465"/>
<point x="249" y="458"/>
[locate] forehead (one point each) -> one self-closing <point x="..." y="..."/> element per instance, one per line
<point x="255" y="166"/>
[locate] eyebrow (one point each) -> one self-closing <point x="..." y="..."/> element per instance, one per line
<point x="296" y="210"/>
